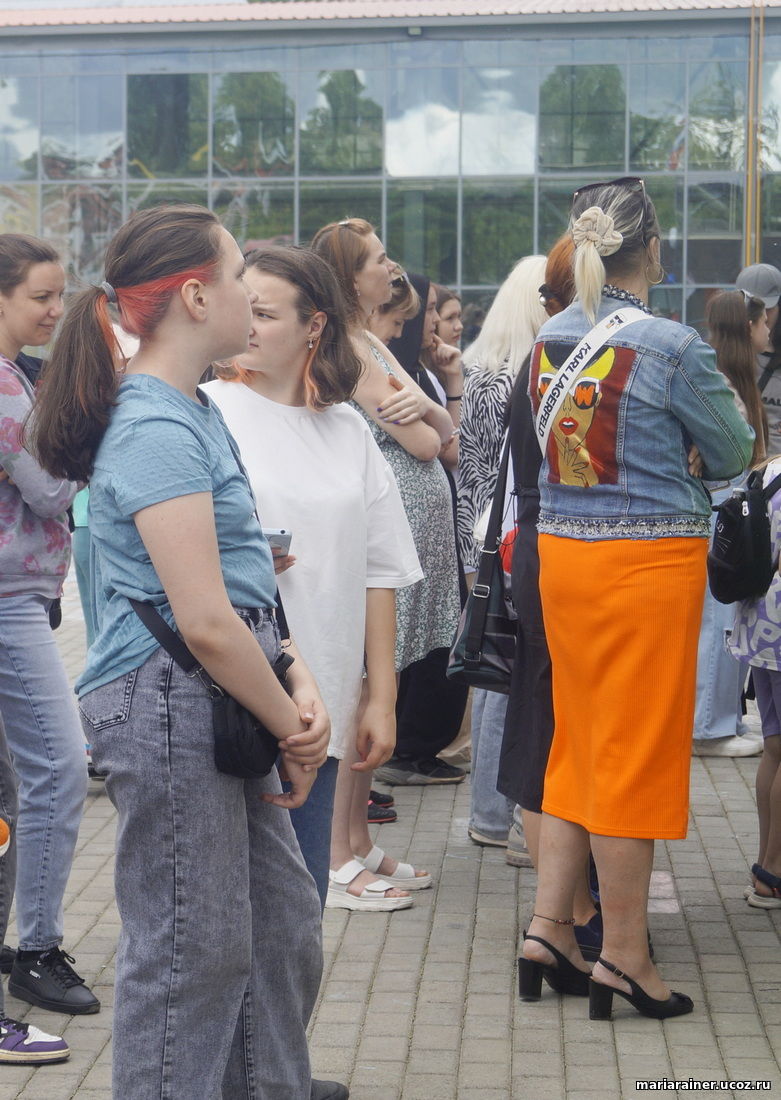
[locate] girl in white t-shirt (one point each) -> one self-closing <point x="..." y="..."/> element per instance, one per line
<point x="317" y="472"/>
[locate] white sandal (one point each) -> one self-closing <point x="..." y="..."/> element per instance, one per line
<point x="404" y="876"/>
<point x="371" y="899"/>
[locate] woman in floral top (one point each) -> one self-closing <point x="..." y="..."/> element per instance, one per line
<point x="36" y="702"/>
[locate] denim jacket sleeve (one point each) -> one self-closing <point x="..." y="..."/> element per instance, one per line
<point x="700" y="398"/>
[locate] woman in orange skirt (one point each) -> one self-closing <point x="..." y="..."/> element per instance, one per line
<point x="627" y="424"/>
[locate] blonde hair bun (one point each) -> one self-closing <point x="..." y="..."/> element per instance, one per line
<point x="596" y="227"/>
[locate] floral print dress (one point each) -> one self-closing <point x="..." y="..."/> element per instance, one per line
<point x="426" y="612"/>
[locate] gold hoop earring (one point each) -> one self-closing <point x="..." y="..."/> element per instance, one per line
<point x="659" y="279"/>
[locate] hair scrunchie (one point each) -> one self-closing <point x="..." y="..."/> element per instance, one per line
<point x="596" y="227"/>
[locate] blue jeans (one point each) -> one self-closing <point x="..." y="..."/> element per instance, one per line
<point x="490" y="812"/>
<point x="312" y="825"/>
<point x="47" y="748"/>
<point x="720" y="678"/>
<point x="8" y="810"/>
<point x="219" y="956"/>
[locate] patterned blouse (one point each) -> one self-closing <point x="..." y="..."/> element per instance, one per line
<point x="35" y="543"/>
<point x="486" y="394"/>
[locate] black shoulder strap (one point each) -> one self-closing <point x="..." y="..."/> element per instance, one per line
<point x="161" y="631"/>
<point x="772" y="487"/>
<point x="765" y="377"/>
<point x="482" y="586"/>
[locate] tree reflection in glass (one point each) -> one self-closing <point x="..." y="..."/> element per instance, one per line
<point x="342" y="132"/>
<point x="583" y="118"/>
<point x="254" y="119"/>
<point x="166" y="125"/>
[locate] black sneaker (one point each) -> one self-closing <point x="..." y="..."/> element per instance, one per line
<point x="49" y="981"/>
<point x="380" y="799"/>
<point x="380" y="815"/>
<point x="418" y="773"/>
<point x="329" y="1090"/>
<point x="7" y="956"/>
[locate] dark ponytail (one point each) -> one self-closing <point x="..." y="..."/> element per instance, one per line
<point x="155" y="252"/>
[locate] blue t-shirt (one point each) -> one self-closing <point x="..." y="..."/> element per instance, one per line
<point x="160" y="445"/>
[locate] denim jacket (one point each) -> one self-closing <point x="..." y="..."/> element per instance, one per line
<point x="616" y="461"/>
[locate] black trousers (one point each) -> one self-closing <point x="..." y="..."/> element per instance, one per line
<point x="430" y="708"/>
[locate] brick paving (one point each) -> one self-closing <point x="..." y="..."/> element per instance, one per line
<point x="422" y="1004"/>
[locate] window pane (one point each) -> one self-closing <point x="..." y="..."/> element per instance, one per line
<point x="770" y="156"/>
<point x="254" y="59"/>
<point x="667" y="301"/>
<point x="555" y="202"/>
<point x="255" y="213"/>
<point x="421" y="135"/>
<point x="771" y="219"/>
<point x="82" y="127"/>
<point x="142" y="195"/>
<point x="423" y="51"/>
<point x="19" y="208"/>
<point x="657" y="116"/>
<point x="667" y="195"/>
<point x="582" y="118"/>
<point x="422" y="228"/>
<point x="166" y="125"/>
<point x="341" y="122"/>
<point x="321" y="203"/>
<point x="18" y="127"/>
<point x="499" y="122"/>
<point x="715" y="232"/>
<point x="80" y="219"/>
<point x="254" y="123"/>
<point x="717" y="115"/>
<point x="498" y="229"/>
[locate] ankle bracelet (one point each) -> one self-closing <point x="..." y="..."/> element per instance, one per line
<point x="553" y="920"/>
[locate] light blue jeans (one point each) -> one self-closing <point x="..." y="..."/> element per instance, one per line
<point x="47" y="749"/>
<point x="80" y="544"/>
<point x="720" y="678"/>
<point x="490" y="812"/>
<point x="219" y="956"/>
<point x="8" y="810"/>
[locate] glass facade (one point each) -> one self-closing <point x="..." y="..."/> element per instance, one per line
<point x="463" y="150"/>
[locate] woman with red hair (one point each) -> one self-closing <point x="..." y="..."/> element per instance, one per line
<point x="209" y="878"/>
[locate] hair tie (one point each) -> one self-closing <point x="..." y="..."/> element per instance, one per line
<point x="596" y="227"/>
<point x="110" y="293"/>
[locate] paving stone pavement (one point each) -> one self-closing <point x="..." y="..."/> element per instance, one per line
<point x="422" y="1004"/>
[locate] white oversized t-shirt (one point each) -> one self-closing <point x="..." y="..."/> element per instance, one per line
<point x="321" y="476"/>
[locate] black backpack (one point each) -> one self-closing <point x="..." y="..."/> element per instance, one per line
<point x="740" y="560"/>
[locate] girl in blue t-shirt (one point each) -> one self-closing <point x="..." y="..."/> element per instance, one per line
<point x="210" y="882"/>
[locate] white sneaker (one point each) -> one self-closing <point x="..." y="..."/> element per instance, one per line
<point x="746" y="745"/>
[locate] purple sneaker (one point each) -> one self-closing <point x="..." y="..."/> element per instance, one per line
<point x="25" y="1044"/>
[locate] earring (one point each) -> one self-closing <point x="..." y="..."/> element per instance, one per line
<point x="310" y="344"/>
<point x="659" y="279"/>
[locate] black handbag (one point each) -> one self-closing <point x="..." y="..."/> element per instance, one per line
<point x="484" y="647"/>
<point x="242" y="745"/>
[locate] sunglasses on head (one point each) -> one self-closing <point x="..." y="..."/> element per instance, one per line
<point x="633" y="184"/>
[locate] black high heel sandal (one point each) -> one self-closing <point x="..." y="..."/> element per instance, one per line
<point x="563" y="977"/>
<point x="600" y="999"/>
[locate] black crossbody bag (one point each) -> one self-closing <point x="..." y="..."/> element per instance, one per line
<point x="242" y="745"/>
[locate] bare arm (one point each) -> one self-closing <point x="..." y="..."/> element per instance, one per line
<point x="417" y="438"/>
<point x="377" y="725"/>
<point x="181" y="540"/>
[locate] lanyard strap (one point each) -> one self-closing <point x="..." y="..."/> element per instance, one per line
<point x="593" y="342"/>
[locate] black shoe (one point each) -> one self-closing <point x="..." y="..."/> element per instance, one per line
<point x="418" y="773"/>
<point x="600" y="999"/>
<point x="7" y="956"/>
<point x="380" y="815"/>
<point x="329" y="1090"/>
<point x="562" y="977"/>
<point x="380" y="799"/>
<point x="49" y="981"/>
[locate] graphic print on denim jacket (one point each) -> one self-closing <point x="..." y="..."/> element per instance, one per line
<point x="581" y="447"/>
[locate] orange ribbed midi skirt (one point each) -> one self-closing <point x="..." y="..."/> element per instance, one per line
<point x="622" y="619"/>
